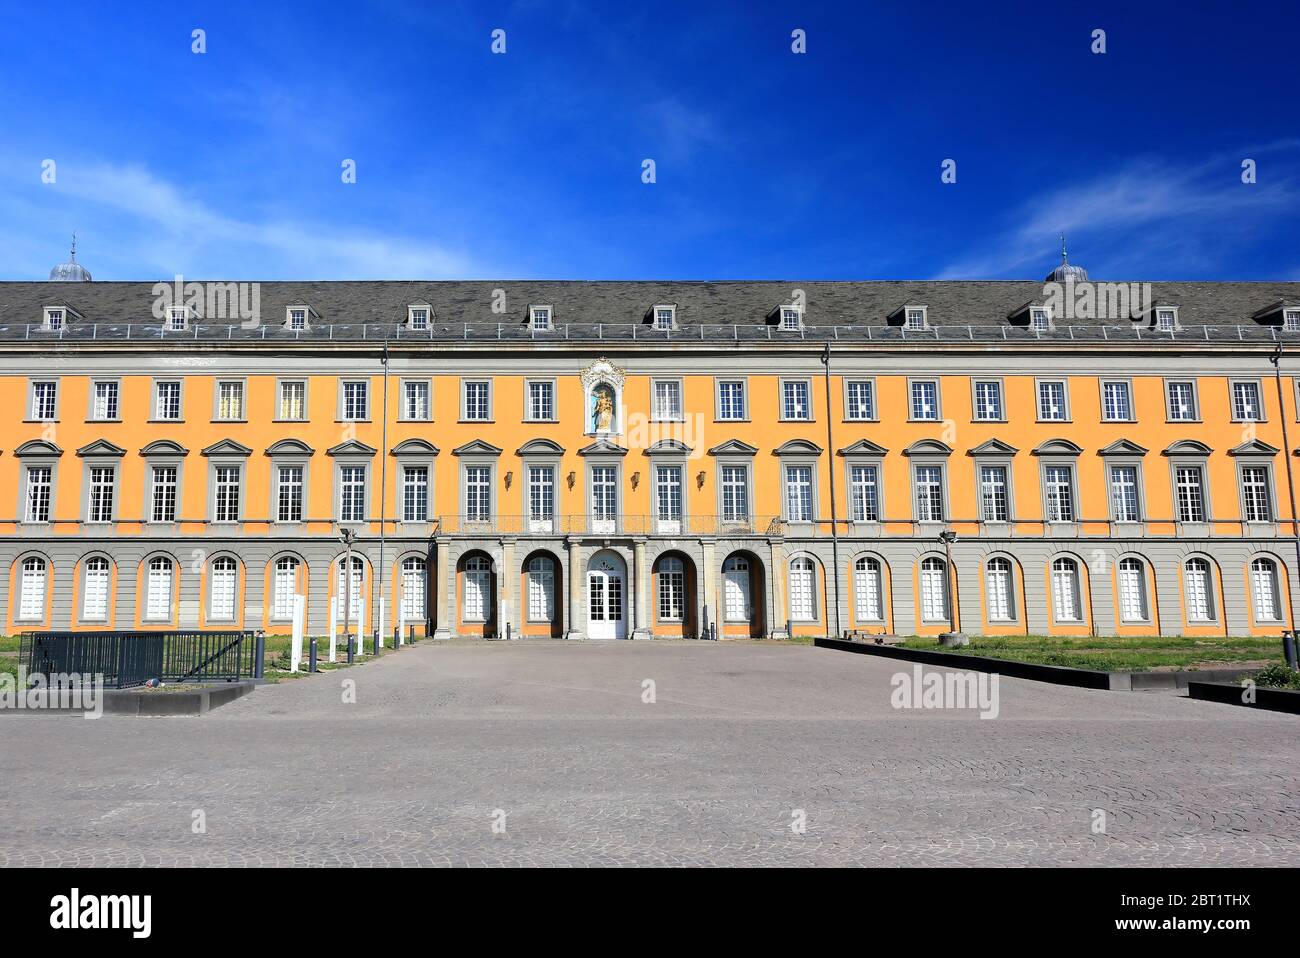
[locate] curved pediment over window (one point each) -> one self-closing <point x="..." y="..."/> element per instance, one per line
<point x="540" y="447"/>
<point x="668" y="447"/>
<point x="351" y="447"/>
<point x="863" y="447"/>
<point x="1188" y="447"/>
<point x="101" y="447"/>
<point x="414" y="447"/>
<point x="798" y="447"/>
<point x="289" y="447"/>
<point x="34" y="448"/>
<point x="1254" y="448"/>
<point x="1123" y="447"/>
<point x="477" y="447"/>
<point x="993" y="447"/>
<point x="733" y="447"/>
<point x="164" y="447"/>
<point x="928" y="447"/>
<point x="1058" y="447"/>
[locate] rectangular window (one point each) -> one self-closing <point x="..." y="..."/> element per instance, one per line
<point x="227" y="494"/>
<point x="1256" y="500"/>
<point x="925" y="400"/>
<point x="104" y="406"/>
<point x="419" y="318"/>
<point x="415" y="493"/>
<point x="356" y="401"/>
<point x="293" y="400"/>
<point x="731" y="399"/>
<point x="1182" y="401"/>
<point x="798" y="493"/>
<point x="795" y="403"/>
<point x="1040" y="319"/>
<point x="1291" y="319"/>
<point x="541" y="401"/>
<point x="1246" y="404"/>
<point x="297" y="318"/>
<point x="664" y="317"/>
<point x="541" y="494"/>
<point x="100" y="504"/>
<point x="541" y="317"/>
<point x="1058" y="483"/>
<point x="672" y="591"/>
<point x="289" y="484"/>
<point x="478" y="493"/>
<point x="988" y="400"/>
<point x="860" y="400"/>
<point x="39" y="488"/>
<point x="167" y="401"/>
<point x="864" y="494"/>
<point x="162" y="494"/>
<point x="929" y="493"/>
<point x="735" y="494"/>
<point x="915" y="319"/>
<point x="45" y="400"/>
<point x="352" y="493"/>
<point x="668" y="493"/>
<point x="478" y="400"/>
<point x="667" y="400"/>
<point x="1116" y="401"/>
<point x="1051" y="401"/>
<point x="230" y="400"/>
<point x="994" y="503"/>
<point x="790" y="317"/>
<point x="1189" y="489"/>
<point x="415" y="401"/>
<point x="604" y="496"/>
<point x="1124" y="493"/>
<point x="1166" y="320"/>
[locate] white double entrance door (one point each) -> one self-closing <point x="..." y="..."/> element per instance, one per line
<point x="607" y="598"/>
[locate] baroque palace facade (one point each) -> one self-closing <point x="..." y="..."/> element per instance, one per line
<point x="642" y="459"/>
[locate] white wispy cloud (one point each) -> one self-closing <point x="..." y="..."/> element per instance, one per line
<point x="1148" y="212"/>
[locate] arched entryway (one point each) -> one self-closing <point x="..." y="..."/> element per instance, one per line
<point x="607" y="605"/>
<point x="674" y="596"/>
<point x="743" y="588"/>
<point x="541" y="595"/>
<point x="476" y="595"/>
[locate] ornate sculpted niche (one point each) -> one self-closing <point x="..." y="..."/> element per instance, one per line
<point x="602" y="388"/>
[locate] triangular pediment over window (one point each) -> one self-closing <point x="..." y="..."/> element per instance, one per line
<point x="602" y="447"/>
<point x="101" y="447"/>
<point x="1123" y="447"/>
<point x="733" y="447"/>
<point x="993" y="447"/>
<point x="668" y="447"/>
<point x="227" y="447"/>
<point x="1254" y="448"/>
<point x="352" y="447"/>
<point x="863" y="447"/>
<point x="476" y="447"/>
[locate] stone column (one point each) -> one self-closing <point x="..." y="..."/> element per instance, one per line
<point x="709" y="585"/>
<point x="576" y="580"/>
<point x="443" y="589"/>
<point x="507" y="577"/>
<point x="777" y="608"/>
<point x="640" y="591"/>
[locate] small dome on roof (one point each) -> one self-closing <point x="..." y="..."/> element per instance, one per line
<point x="71" y="271"/>
<point x="1065" y="273"/>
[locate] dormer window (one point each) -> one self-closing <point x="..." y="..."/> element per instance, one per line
<point x="417" y="317"/>
<point x="55" y="318"/>
<point x="540" y="317"/>
<point x="665" y="317"/>
<point x="914" y="318"/>
<point x="1166" y="319"/>
<point x="298" y="317"/>
<point x="178" y="317"/>
<point x="1040" y="318"/>
<point x="791" y="317"/>
<point x="1291" y="320"/>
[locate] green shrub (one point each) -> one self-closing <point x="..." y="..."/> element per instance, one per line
<point x="1278" y="676"/>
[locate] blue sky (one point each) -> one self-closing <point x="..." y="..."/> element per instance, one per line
<point x="769" y="164"/>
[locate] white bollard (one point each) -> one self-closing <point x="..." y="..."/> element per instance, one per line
<point x="334" y="626"/>
<point x="383" y="607"/>
<point x="299" y="624"/>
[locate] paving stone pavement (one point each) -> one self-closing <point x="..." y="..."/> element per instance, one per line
<point x="557" y="737"/>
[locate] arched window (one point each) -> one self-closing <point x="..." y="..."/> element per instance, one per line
<point x="94" y="598"/>
<point x="1199" y="589"/>
<point x="225" y="587"/>
<point x="541" y="589"/>
<point x="934" y="591"/>
<point x="1132" y="591"/>
<point x="1067" y="595"/>
<point x="478" y="583"/>
<point x="414" y="587"/>
<point x="735" y="589"/>
<point x="158" y="589"/>
<point x="352" y="594"/>
<point x="1264" y="583"/>
<point x="999" y="590"/>
<point x="284" y="587"/>
<point x="803" y="590"/>
<point x="31" y="591"/>
<point x="867" y="590"/>
<point x="672" y="590"/>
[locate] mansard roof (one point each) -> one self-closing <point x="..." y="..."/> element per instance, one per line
<point x="735" y="311"/>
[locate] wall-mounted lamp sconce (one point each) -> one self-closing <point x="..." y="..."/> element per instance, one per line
<point x="572" y="478"/>
<point x="699" y="480"/>
<point x="636" y="479"/>
<point x="510" y="476"/>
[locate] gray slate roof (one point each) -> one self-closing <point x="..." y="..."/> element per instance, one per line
<point x="740" y="310"/>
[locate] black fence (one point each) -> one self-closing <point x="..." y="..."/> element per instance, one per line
<point x="126" y="659"/>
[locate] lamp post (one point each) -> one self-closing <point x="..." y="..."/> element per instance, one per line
<point x="1276" y="360"/>
<point x="830" y="456"/>
<point x="348" y="537"/>
<point x="952" y="636"/>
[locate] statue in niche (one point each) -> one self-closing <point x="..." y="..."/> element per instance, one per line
<point x="602" y="411"/>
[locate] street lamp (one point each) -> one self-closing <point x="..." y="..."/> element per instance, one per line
<point x="952" y="636"/>
<point x="348" y="536"/>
